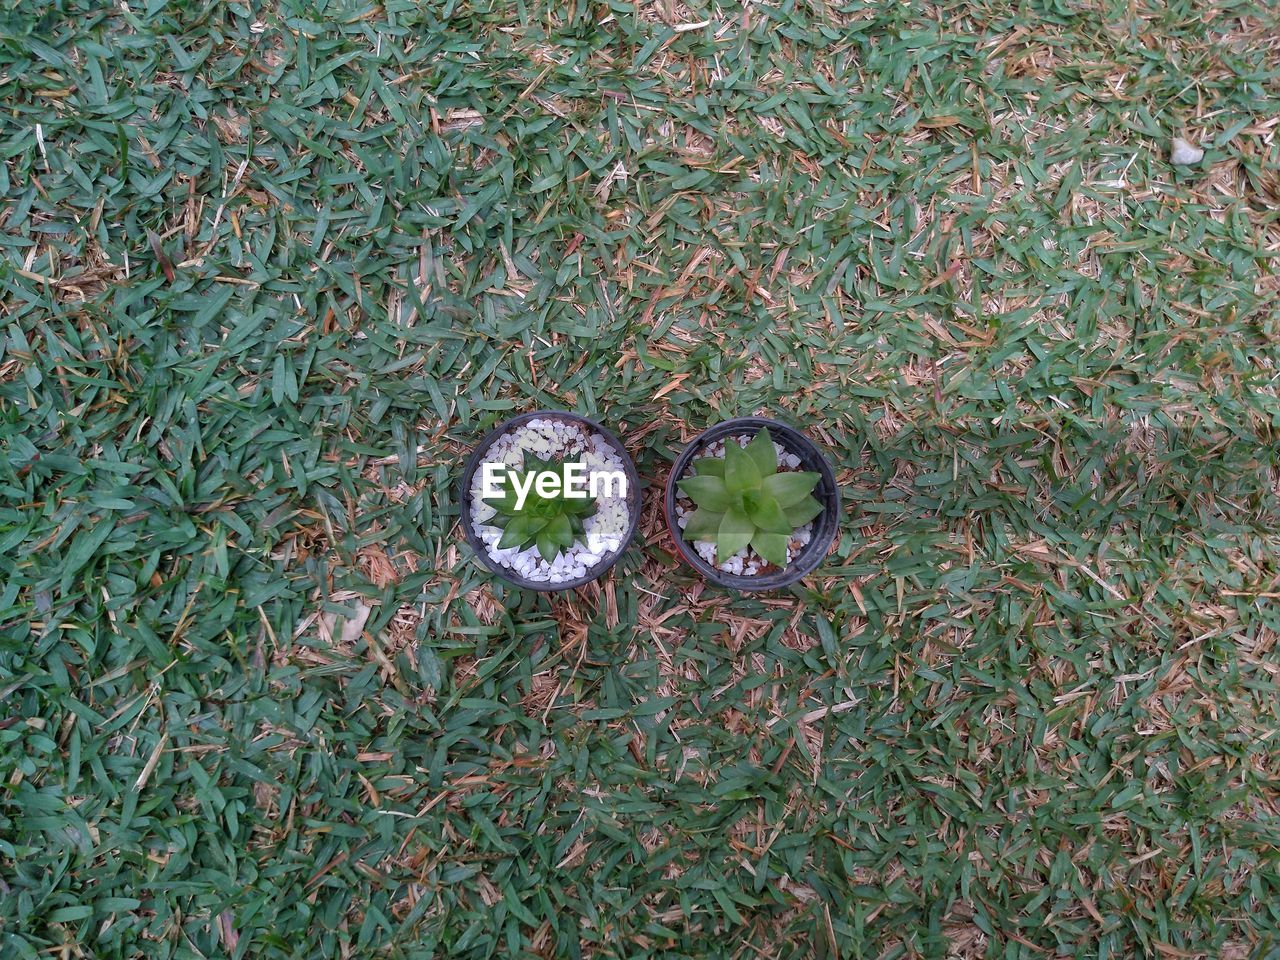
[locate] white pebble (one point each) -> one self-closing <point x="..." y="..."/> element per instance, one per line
<point x="1184" y="153"/>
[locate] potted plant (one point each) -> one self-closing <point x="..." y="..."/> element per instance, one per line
<point x="752" y="504"/>
<point x="549" y="500"/>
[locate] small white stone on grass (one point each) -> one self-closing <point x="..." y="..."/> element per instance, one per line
<point x="1184" y="153"/>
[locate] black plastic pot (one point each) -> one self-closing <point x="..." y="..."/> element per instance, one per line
<point x="825" y="525"/>
<point x="477" y="457"/>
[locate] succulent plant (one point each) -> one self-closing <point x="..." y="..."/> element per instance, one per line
<point x="744" y="499"/>
<point x="552" y="523"/>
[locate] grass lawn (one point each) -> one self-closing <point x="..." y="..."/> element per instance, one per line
<point x="269" y="269"/>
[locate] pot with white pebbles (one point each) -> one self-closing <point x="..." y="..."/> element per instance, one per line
<point x="533" y="534"/>
<point x="755" y="516"/>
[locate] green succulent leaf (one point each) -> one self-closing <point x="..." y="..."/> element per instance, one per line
<point x="505" y="500"/>
<point x="534" y="464"/>
<point x="561" y="529"/>
<point x="736" y="530"/>
<point x="547" y="546"/>
<point x="550" y="523"/>
<point x="790" y="487"/>
<point x="520" y="531"/>
<point x="555" y="536"/>
<point x="709" y="492"/>
<point x="771" y="546"/>
<point x="760" y="450"/>
<point x="708" y="467"/>
<point x="579" y="506"/>
<point x="801" y="513"/>
<point x="768" y="516"/>
<point x="703" y="524"/>
<point x="505" y="504"/>
<point x="740" y="471"/>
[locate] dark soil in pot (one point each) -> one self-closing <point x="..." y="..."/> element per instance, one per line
<point x="822" y="529"/>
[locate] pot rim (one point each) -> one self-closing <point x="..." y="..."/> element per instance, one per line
<point x="812" y="457"/>
<point x="477" y="545"/>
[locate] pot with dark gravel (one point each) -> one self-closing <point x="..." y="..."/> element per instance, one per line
<point x="752" y="504"/>
<point x="550" y="500"/>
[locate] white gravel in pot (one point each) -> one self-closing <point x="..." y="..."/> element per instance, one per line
<point x="603" y="532"/>
<point x="746" y="562"/>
